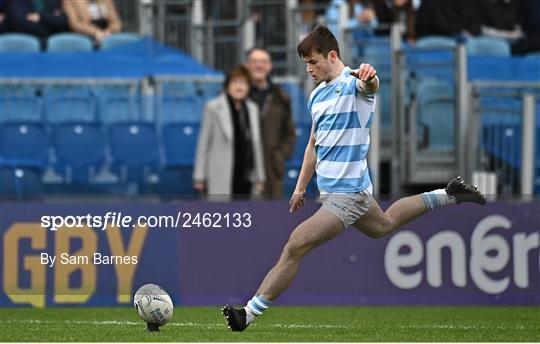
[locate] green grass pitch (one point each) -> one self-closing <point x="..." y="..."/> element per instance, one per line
<point x="389" y="324"/>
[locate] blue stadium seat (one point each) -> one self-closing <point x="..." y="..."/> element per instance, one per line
<point x="118" y="39"/>
<point x="436" y="43"/>
<point x="176" y="182"/>
<point x="499" y="69"/>
<point x="501" y="127"/>
<point x="180" y="101"/>
<point x="70" y="103"/>
<point x="20" y="183"/>
<point x="503" y="142"/>
<point x="298" y="103"/>
<point x="179" y="143"/>
<point x="436" y="110"/>
<point x="423" y="64"/>
<point x="170" y="60"/>
<point x="69" y="42"/>
<point x="24" y="143"/>
<point x="431" y="57"/>
<point x="292" y="170"/>
<point x="135" y="150"/>
<point x="497" y="110"/>
<point x="119" y="104"/>
<point x="210" y="89"/>
<point x="178" y="88"/>
<point x="378" y="54"/>
<point x="303" y="133"/>
<point x="80" y="150"/>
<point x="384" y="100"/>
<point x="528" y="69"/>
<point x="20" y="109"/>
<point x="7" y="184"/>
<point x="488" y="46"/>
<point x="18" y="42"/>
<point x="181" y="108"/>
<point x="20" y="103"/>
<point x="290" y="178"/>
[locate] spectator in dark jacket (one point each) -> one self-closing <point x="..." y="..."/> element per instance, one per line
<point x="447" y="18"/>
<point x="40" y="18"/>
<point x="530" y="14"/>
<point x="277" y="129"/>
<point x="500" y="18"/>
<point x="395" y="11"/>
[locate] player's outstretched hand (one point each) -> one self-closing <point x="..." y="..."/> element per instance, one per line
<point x="365" y="72"/>
<point x="297" y="200"/>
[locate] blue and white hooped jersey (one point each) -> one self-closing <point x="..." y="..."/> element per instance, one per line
<point x="342" y="115"/>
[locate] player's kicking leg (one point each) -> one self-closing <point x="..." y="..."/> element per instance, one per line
<point x="316" y="230"/>
<point x="326" y="224"/>
<point x="376" y="223"/>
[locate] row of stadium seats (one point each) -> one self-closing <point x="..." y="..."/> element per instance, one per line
<point x="430" y="92"/>
<point x="62" y="42"/>
<point x="20" y="42"/>
<point x="104" y="104"/>
<point x="86" y="157"/>
<point x="430" y="79"/>
<point x="482" y="45"/>
<point x="173" y="102"/>
<point x="26" y="182"/>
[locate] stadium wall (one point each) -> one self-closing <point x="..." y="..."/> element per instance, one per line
<point x="456" y="255"/>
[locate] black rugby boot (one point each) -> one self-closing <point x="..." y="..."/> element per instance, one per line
<point x="464" y="192"/>
<point x="236" y="318"/>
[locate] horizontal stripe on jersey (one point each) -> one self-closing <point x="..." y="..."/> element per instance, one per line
<point x="342" y="117"/>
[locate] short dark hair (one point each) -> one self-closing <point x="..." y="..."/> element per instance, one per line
<point x="238" y="71"/>
<point x="320" y="40"/>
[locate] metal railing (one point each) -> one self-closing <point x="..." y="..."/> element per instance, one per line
<point x="168" y="21"/>
<point x="426" y="116"/>
<point x="217" y="33"/>
<point x="128" y="11"/>
<point x="507" y="161"/>
<point x="502" y="131"/>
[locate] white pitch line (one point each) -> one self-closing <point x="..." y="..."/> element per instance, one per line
<point x="104" y="322"/>
<point x="180" y="324"/>
<point x="466" y="327"/>
<point x="286" y="326"/>
<point x="309" y="326"/>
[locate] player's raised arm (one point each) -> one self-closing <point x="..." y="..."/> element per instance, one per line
<point x="367" y="78"/>
<point x="306" y="172"/>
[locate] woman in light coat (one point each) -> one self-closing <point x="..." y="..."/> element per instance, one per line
<point x="229" y="157"/>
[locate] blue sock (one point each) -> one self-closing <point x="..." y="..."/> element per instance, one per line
<point x="258" y="304"/>
<point x="437" y="198"/>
